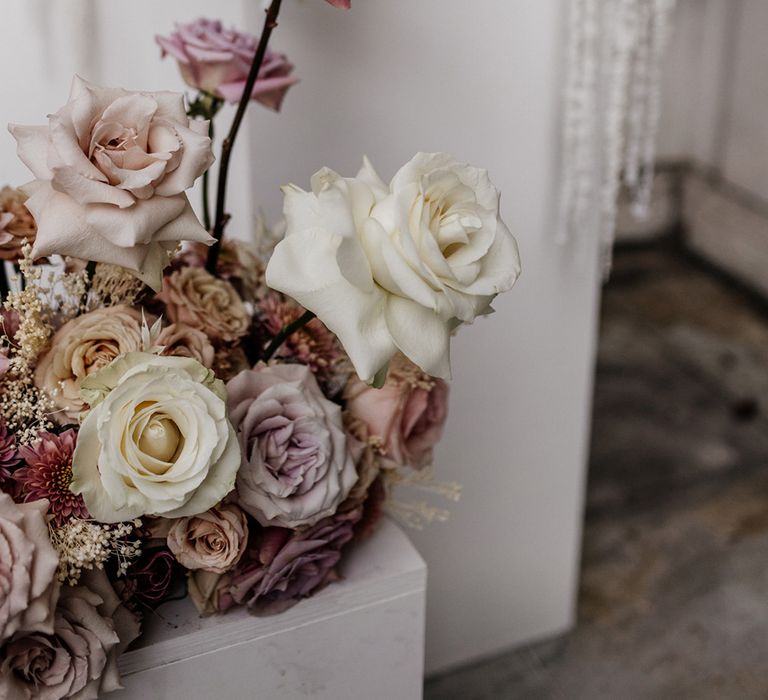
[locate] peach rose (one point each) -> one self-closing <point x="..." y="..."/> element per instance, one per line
<point x="181" y="340"/>
<point x="213" y="541"/>
<point x="111" y="169"/>
<point x="80" y="347"/>
<point x="406" y="416"/>
<point x="195" y="297"/>
<point x="17" y="226"/>
<point x="28" y="563"/>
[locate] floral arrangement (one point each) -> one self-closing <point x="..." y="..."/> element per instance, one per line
<point x="182" y="413"/>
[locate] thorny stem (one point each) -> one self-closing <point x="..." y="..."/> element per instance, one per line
<point x="226" y="147"/>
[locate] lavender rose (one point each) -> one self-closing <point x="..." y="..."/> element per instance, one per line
<point x="406" y="416"/>
<point x="28" y="563"/>
<point x="217" y="61"/>
<point x="286" y="566"/>
<point x="213" y="541"/>
<point x="297" y="466"/>
<point x="111" y="168"/>
<point x="78" y="659"/>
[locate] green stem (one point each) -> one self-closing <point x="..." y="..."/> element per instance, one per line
<point x="285" y="332"/>
<point x="226" y="147"/>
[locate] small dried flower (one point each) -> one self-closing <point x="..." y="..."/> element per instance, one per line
<point x="312" y="345"/>
<point x="48" y="473"/>
<point x="17" y="225"/>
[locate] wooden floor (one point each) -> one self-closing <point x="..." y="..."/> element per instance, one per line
<point x="674" y="590"/>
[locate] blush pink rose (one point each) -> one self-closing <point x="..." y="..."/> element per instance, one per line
<point x="406" y="416"/>
<point x="111" y="169"/>
<point x="218" y="60"/>
<point x="343" y="4"/>
<point x="28" y="563"/>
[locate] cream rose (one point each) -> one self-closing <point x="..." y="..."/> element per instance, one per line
<point x="156" y="440"/>
<point x="83" y="346"/>
<point x="195" y="297"/>
<point x="396" y="267"/>
<point x="213" y="541"/>
<point x="112" y="167"/>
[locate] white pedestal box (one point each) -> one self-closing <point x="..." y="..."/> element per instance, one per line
<point x="362" y="637"/>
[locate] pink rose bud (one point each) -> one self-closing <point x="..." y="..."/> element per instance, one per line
<point x="217" y="60"/>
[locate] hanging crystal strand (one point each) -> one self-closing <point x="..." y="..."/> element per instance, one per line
<point x="661" y="24"/>
<point x="579" y="174"/>
<point x="638" y="98"/>
<point x="621" y="27"/>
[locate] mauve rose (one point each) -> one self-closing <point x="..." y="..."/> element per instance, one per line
<point x="286" y="566"/>
<point x="297" y="465"/>
<point x="406" y="415"/>
<point x="28" y="563"/>
<point x="213" y="541"/>
<point x="79" y="658"/>
<point x="111" y="169"/>
<point x="343" y="4"/>
<point x="217" y="61"/>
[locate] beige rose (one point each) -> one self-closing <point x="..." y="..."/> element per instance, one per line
<point x="368" y="461"/>
<point x="78" y="658"/>
<point x="28" y="563"/>
<point x="82" y="346"/>
<point x="181" y="340"/>
<point x="213" y="541"/>
<point x="195" y="297"/>
<point x="17" y="226"/>
<point x="210" y="593"/>
<point x="111" y="169"/>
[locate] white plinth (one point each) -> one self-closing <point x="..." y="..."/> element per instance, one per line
<point x="360" y="638"/>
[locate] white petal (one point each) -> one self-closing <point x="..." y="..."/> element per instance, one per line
<point x="420" y="335"/>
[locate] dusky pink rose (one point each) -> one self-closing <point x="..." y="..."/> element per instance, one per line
<point x="78" y="659"/>
<point x="80" y="347"/>
<point x="212" y="541"/>
<point x="297" y="463"/>
<point x="28" y="563"/>
<point x="218" y="60"/>
<point x="181" y="340"/>
<point x="285" y="566"/>
<point x="196" y="298"/>
<point x="111" y="170"/>
<point x="406" y="416"/>
<point x="343" y="4"/>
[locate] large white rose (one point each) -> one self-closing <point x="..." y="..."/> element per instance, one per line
<point x="396" y="267"/>
<point x="156" y="441"/>
<point x="112" y="167"/>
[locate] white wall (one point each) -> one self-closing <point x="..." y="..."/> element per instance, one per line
<point x="480" y="80"/>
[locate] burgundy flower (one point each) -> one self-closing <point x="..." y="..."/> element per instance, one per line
<point x="9" y="457"/>
<point x="287" y="565"/>
<point x="48" y="474"/>
<point x="147" y="582"/>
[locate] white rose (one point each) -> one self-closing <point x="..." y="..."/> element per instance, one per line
<point x="156" y="440"/>
<point x="112" y="167"/>
<point x="396" y="267"/>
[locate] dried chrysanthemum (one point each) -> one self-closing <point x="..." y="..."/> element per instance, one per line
<point x="83" y="545"/>
<point x="48" y="473"/>
<point x="17" y="225"/>
<point x="312" y="345"/>
<point x="9" y="455"/>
